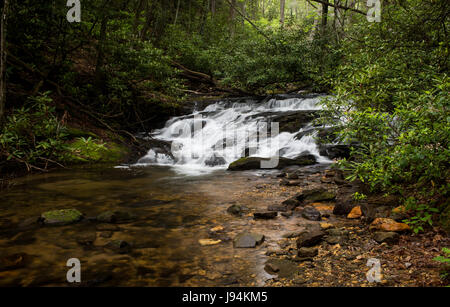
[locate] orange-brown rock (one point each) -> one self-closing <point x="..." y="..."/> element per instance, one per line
<point x="385" y="224"/>
<point x="323" y="207"/>
<point x="355" y="213"/>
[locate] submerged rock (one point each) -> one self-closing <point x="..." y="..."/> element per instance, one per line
<point x="61" y="217"/>
<point x="236" y="210"/>
<point x="115" y="217"/>
<point x="311" y="213"/>
<point x="119" y="246"/>
<point x="248" y="240"/>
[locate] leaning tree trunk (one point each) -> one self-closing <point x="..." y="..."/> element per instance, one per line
<point x="3" y="59"/>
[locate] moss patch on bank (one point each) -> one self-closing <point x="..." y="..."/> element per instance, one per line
<point x="90" y="150"/>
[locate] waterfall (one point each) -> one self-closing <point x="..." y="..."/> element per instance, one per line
<point x="225" y="131"/>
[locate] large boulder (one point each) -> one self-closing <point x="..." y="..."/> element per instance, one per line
<point x="61" y="217"/>
<point x="250" y="163"/>
<point x="335" y="151"/>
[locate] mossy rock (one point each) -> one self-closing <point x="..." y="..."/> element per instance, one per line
<point x="91" y="150"/>
<point x="76" y="133"/>
<point x="61" y="217"/>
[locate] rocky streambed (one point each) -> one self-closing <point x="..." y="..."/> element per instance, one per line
<point x="147" y="227"/>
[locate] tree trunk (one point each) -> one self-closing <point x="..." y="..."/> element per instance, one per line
<point x="3" y="60"/>
<point x="282" y="6"/>
<point x="176" y="14"/>
<point x="101" y="53"/>
<point x="324" y="15"/>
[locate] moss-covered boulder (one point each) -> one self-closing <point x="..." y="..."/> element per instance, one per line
<point x="61" y="217"/>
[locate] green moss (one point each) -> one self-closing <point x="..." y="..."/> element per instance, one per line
<point x="84" y="150"/>
<point x="61" y="217"/>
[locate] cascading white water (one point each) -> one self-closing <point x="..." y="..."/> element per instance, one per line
<point x="223" y="131"/>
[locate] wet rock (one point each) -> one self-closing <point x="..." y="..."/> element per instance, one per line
<point x="115" y="217"/>
<point x="215" y="160"/>
<point x="325" y="226"/>
<point x="119" y="246"/>
<point x="291" y="203"/>
<point x="335" y="151"/>
<point x="386" y="237"/>
<point x="315" y="195"/>
<point x="277" y="207"/>
<point x="248" y="240"/>
<point x="343" y="208"/>
<point x="311" y="213"/>
<point x="284" y="268"/>
<point x="249" y="163"/>
<point x="271" y="268"/>
<point x="236" y="210"/>
<point x="371" y="211"/>
<point x="307" y="252"/>
<point x="265" y="215"/>
<point x="310" y="238"/>
<point x="291" y="176"/>
<point x="61" y="217"/>
<point x="355" y="213"/>
<point x="106" y="234"/>
<point x="333" y="239"/>
<point x="287" y="214"/>
<point x="293" y="234"/>
<point x="386" y="224"/>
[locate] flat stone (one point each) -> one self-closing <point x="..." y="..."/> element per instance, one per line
<point x="247" y="240"/>
<point x="310" y="238"/>
<point x="386" y="224"/>
<point x="307" y="252"/>
<point x="265" y="215"/>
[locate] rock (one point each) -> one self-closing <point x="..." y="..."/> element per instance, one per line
<point x="235" y="210"/>
<point x="277" y="207"/>
<point x="355" y="213"/>
<point x="106" y="234"/>
<point x="216" y="229"/>
<point x="343" y="208"/>
<point x="265" y="215"/>
<point x="208" y="242"/>
<point x="61" y="217"/>
<point x="386" y="224"/>
<point x="287" y="214"/>
<point x="310" y="238"/>
<point x="311" y="213"/>
<point x="371" y="211"/>
<point x="325" y="226"/>
<point x="119" y="246"/>
<point x="291" y="176"/>
<point x="335" y="151"/>
<point x="86" y="239"/>
<point x="307" y="252"/>
<point x="248" y="240"/>
<point x="215" y="160"/>
<point x="293" y="234"/>
<point x="315" y="195"/>
<point x="333" y="239"/>
<point x="386" y="237"/>
<point x="399" y="214"/>
<point x="249" y="163"/>
<point x="291" y="203"/>
<point x="115" y="217"/>
<point x="271" y="268"/>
